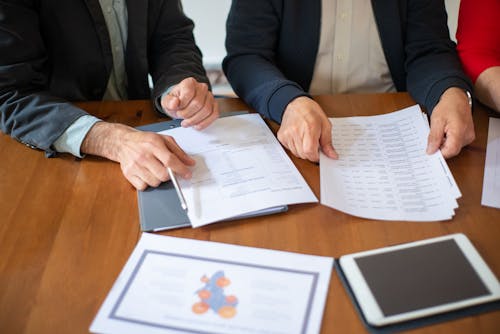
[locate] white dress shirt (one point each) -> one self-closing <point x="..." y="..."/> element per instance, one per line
<point x="350" y="58"/>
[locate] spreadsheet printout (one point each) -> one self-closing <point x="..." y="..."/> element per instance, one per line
<point x="383" y="171"/>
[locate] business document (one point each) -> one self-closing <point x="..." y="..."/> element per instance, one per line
<point x="491" y="181"/>
<point x="383" y="171"/>
<point x="175" y="285"/>
<point x="240" y="168"/>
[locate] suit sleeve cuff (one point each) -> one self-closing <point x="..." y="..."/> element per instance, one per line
<point x="281" y="98"/>
<point x="439" y="88"/>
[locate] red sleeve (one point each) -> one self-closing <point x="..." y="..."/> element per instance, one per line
<point x="478" y="35"/>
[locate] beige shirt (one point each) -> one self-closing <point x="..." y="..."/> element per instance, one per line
<point x="350" y="58"/>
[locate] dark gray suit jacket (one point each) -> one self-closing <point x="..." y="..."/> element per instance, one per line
<point x="272" y="47"/>
<point x="54" y="51"/>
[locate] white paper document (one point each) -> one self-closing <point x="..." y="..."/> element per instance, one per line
<point x="491" y="181"/>
<point x="383" y="171"/>
<point x="174" y="285"/>
<point x="240" y="168"/>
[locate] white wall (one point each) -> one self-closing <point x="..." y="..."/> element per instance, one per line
<point x="209" y="17"/>
<point x="452" y="9"/>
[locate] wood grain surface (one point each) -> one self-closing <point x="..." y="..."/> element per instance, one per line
<point x="68" y="225"/>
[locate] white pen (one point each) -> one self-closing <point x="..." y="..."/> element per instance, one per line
<point x="177" y="189"/>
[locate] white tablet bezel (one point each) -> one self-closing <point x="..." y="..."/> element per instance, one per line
<point x="371" y="310"/>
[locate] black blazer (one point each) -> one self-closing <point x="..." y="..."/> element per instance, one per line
<point x="54" y="51"/>
<point x="272" y="46"/>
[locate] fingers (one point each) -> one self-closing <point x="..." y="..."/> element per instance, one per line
<point x="305" y="129"/>
<point x="325" y="141"/>
<point x="145" y="156"/>
<point x="451" y="146"/>
<point x="144" y="173"/>
<point x="202" y="117"/>
<point x="176" y="159"/>
<point x="193" y="102"/>
<point x="451" y="124"/>
<point x="310" y="146"/>
<point x="170" y="103"/>
<point x="210" y="119"/>
<point x="137" y="182"/>
<point x="298" y="146"/>
<point x="436" y="136"/>
<point x="185" y="92"/>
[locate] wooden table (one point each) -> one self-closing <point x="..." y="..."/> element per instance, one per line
<point x="69" y="225"/>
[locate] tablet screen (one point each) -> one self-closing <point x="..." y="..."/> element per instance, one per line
<point x="419" y="277"/>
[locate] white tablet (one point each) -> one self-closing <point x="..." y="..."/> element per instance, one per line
<point x="418" y="279"/>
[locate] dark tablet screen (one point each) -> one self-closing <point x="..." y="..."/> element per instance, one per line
<point x="419" y="277"/>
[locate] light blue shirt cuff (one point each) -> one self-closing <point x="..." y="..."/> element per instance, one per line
<point x="71" y="139"/>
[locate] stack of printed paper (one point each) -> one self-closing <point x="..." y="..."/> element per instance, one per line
<point x="384" y="172"/>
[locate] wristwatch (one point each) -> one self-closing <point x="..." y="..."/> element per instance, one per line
<point x="469" y="98"/>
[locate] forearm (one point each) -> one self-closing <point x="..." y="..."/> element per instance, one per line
<point x="104" y="140"/>
<point x="487" y="87"/>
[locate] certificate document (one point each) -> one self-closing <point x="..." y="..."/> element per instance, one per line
<point x="174" y="285"/>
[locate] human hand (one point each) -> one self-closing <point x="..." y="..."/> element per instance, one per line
<point x="305" y="129"/>
<point x="451" y="124"/>
<point x="143" y="156"/>
<point x="192" y="101"/>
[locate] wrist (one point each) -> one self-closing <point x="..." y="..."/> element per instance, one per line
<point x="298" y="103"/>
<point x="104" y="140"/>
<point x="458" y="95"/>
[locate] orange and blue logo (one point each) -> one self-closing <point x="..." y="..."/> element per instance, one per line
<point x="212" y="296"/>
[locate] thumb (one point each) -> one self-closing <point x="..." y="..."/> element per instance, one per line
<point x="325" y="141"/>
<point x="435" y="138"/>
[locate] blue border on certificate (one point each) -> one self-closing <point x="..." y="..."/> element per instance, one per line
<point x="146" y="252"/>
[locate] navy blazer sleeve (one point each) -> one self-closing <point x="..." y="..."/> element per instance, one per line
<point x="251" y="64"/>
<point x="414" y="34"/>
<point x="432" y="63"/>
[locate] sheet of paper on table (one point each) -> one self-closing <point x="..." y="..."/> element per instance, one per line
<point x="240" y="168"/>
<point x="174" y="285"/>
<point x="491" y="181"/>
<point x="384" y="172"/>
